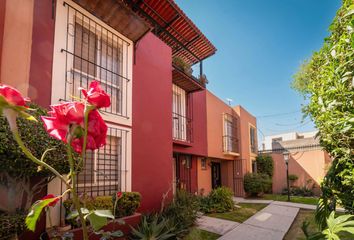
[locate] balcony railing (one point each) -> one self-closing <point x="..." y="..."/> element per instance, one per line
<point x="182" y="128"/>
<point x="230" y="144"/>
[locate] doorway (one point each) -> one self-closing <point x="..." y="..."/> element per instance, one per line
<point x="215" y="175"/>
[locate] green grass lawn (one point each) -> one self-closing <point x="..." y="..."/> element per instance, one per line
<point x="295" y="232"/>
<point x="198" y="234"/>
<point x="295" y="199"/>
<point x="240" y="214"/>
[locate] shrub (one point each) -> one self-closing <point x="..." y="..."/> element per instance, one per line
<point x="265" y="164"/>
<point x="256" y="184"/>
<point x="298" y="191"/>
<point x="127" y="204"/>
<point x="219" y="200"/>
<point x="14" y="161"/>
<point x="182" y="212"/>
<point x="293" y="177"/>
<point x="17" y="170"/>
<point x="11" y="224"/>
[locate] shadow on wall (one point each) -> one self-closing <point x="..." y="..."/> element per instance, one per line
<point x="309" y="167"/>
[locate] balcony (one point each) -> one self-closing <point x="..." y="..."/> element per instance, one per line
<point x="230" y="145"/>
<point x="182" y="129"/>
<point x="186" y="80"/>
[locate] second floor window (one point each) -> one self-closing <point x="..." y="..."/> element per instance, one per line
<point x="253" y="141"/>
<point x="96" y="52"/>
<point x="181" y="122"/>
<point x="230" y="134"/>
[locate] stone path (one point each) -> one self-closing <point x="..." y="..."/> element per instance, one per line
<point x="216" y="225"/>
<point x="271" y="223"/>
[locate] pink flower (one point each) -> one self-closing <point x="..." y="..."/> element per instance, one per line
<point x="51" y="196"/>
<point x="66" y="115"/>
<point x="119" y="195"/>
<point x="96" y="96"/>
<point x="12" y="96"/>
<point x="62" y="117"/>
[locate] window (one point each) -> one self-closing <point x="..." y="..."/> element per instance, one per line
<point x="230" y="134"/>
<point x="180" y="121"/>
<point x="93" y="52"/>
<point x="203" y="164"/>
<point x="103" y="168"/>
<point x="254" y="166"/>
<point x="253" y="140"/>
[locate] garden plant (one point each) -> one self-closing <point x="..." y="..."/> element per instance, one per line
<point x="79" y="125"/>
<point x="326" y="81"/>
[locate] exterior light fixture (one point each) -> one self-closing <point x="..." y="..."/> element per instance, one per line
<point x="286" y="156"/>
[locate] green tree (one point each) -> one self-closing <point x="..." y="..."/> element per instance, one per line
<point x="265" y="164"/>
<point x="327" y="80"/>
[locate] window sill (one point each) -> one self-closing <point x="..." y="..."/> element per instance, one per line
<point x="231" y="154"/>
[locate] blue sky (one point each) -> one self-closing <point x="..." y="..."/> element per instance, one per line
<point x="260" y="46"/>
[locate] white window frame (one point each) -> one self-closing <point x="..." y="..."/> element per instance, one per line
<point x="60" y="68"/>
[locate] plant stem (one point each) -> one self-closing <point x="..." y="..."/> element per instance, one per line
<point x="75" y="196"/>
<point x="33" y="158"/>
<point x="83" y="152"/>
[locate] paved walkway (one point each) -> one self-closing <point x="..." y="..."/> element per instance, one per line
<point x="287" y="204"/>
<point x="216" y="225"/>
<point x="271" y="223"/>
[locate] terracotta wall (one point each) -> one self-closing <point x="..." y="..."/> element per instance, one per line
<point x="199" y="145"/>
<point x="215" y="122"/>
<point x="246" y="120"/>
<point x="204" y="177"/>
<point x="309" y="166"/>
<point x="152" y="124"/>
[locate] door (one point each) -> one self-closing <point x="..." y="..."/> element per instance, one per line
<point x="215" y="175"/>
<point x="238" y="178"/>
<point x="183" y="171"/>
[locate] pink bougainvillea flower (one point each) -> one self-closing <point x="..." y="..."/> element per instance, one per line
<point x="96" y="95"/>
<point x="12" y="96"/>
<point x="51" y="196"/>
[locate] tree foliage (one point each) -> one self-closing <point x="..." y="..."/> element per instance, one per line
<point x="265" y="164"/>
<point x="327" y="81"/>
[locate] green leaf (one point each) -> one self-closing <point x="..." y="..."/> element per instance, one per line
<point x="75" y="213"/>
<point x="104" y="213"/>
<point x="35" y="212"/>
<point x="98" y="218"/>
<point x="117" y="234"/>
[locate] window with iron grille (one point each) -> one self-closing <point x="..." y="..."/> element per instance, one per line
<point x="253" y="140"/>
<point x="95" y="52"/>
<point x="230" y="140"/>
<point x="181" y="122"/>
<point x="103" y="169"/>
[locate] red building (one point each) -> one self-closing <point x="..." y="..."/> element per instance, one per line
<point x="141" y="52"/>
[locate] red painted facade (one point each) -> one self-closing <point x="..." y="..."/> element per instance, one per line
<point x="199" y="145"/>
<point x="152" y="121"/>
<point x="2" y="22"/>
<point x="40" y="80"/>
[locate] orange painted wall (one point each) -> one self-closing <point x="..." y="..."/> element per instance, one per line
<point x="215" y="110"/>
<point x="246" y="120"/>
<point x="204" y="177"/>
<point x="307" y="165"/>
